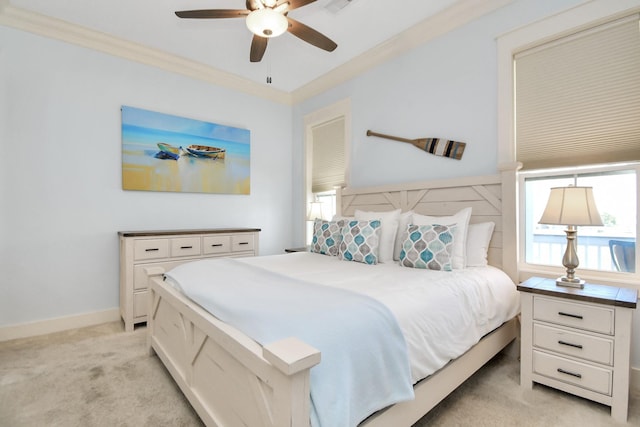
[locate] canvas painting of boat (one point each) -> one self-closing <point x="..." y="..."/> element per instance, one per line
<point x="163" y="152"/>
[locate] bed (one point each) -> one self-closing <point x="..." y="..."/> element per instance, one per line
<point x="232" y="380"/>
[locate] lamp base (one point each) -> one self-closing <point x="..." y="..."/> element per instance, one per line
<point x="571" y="283"/>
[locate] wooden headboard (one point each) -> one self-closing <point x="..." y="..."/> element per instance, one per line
<point x="483" y="194"/>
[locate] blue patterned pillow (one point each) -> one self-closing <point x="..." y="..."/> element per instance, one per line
<point x="360" y="240"/>
<point x="326" y="237"/>
<point x="428" y="246"/>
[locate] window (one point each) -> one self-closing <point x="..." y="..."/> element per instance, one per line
<point x="568" y="114"/>
<point x="326" y="142"/>
<point x="615" y="193"/>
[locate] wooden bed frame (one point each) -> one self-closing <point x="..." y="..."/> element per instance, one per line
<point x="230" y="380"/>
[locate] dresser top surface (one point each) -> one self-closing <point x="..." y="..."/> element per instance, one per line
<point x="600" y="294"/>
<point x="148" y="233"/>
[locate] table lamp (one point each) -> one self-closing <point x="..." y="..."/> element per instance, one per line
<point x="571" y="206"/>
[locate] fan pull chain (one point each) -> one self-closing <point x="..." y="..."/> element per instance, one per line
<point x="269" y="69"/>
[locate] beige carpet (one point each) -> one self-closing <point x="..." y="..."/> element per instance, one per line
<point x="102" y="376"/>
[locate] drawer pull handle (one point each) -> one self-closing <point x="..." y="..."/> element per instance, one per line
<point x="216" y="245"/>
<point x="573" y="374"/>
<point x="152" y="249"/>
<point x="186" y="247"/>
<point x="243" y="243"/>
<point x="570" y="344"/>
<point x="575" y="316"/>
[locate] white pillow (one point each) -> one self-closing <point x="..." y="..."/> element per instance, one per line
<point x="388" y="230"/>
<point x="337" y="217"/>
<point x="461" y="218"/>
<point x="403" y="222"/>
<point x="478" y="238"/>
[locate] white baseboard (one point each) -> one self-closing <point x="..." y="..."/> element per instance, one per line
<point x="58" y="324"/>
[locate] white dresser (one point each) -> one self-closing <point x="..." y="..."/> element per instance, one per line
<point x="578" y="340"/>
<point x="142" y="251"/>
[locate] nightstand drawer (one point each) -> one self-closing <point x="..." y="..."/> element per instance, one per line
<point x="575" y="344"/>
<point x="151" y="249"/>
<point x="216" y="244"/>
<point x="571" y="372"/>
<point x="185" y="246"/>
<point x="581" y="316"/>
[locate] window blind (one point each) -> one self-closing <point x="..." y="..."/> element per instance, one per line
<point x="577" y="99"/>
<point x="328" y="163"/>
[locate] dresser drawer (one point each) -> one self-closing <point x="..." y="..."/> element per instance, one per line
<point x="242" y="243"/>
<point x="216" y="244"/>
<point x="185" y="246"/>
<point x="582" y="316"/>
<point x="575" y="344"/>
<point x="150" y="249"/>
<point x="572" y="372"/>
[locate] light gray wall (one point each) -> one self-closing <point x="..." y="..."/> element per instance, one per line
<point x="62" y="199"/>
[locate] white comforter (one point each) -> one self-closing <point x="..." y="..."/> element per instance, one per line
<point x="441" y="314"/>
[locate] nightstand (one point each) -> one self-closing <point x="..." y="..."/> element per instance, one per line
<point x="578" y="340"/>
<point x="301" y="249"/>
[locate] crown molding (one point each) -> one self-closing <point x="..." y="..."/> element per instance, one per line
<point x="46" y="26"/>
<point x="457" y="15"/>
<point x="461" y="13"/>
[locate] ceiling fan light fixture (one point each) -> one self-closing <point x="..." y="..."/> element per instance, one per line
<point x="267" y="23"/>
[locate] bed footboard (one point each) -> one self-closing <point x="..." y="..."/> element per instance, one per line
<point x="229" y="379"/>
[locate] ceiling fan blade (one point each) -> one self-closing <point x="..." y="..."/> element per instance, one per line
<point x="213" y="13"/>
<point x="258" y="46"/>
<point x="310" y="35"/>
<point x="294" y="4"/>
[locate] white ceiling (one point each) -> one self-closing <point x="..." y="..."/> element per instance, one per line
<point x="224" y="43"/>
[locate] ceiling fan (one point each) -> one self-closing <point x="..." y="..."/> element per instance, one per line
<point x="266" y="19"/>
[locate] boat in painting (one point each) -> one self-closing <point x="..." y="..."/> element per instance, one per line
<point x="206" y="151"/>
<point x="168" y="151"/>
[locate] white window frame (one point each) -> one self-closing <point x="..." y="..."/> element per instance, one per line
<point x="564" y="23"/>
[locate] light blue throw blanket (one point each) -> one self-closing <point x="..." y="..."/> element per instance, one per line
<point x="364" y="366"/>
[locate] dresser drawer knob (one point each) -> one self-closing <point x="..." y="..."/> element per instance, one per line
<point x="152" y="249"/>
<point x="570" y="344"/>
<point x="575" y="316"/>
<point x="186" y="247"/>
<point x="216" y="245"/>
<point x="573" y="374"/>
<point x="243" y="243"/>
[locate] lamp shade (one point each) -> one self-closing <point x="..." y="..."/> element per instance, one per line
<point x="267" y="23"/>
<point x="571" y="206"/>
<point x="315" y="211"/>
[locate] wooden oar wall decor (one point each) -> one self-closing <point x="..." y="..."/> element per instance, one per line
<point x="435" y="146"/>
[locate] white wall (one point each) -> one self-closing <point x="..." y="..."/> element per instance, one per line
<point x="446" y="88"/>
<point x="62" y="199"/>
